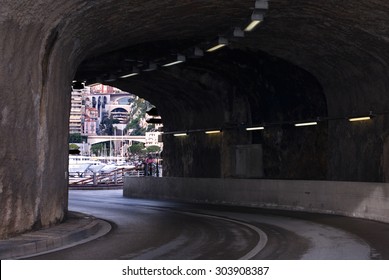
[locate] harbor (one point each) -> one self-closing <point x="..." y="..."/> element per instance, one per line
<point x="109" y="171"/>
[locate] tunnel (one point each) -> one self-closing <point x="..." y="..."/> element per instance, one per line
<point x="321" y="62"/>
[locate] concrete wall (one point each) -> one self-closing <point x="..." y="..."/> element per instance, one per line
<point x="354" y="199"/>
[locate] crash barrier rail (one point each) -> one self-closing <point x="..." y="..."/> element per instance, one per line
<point x="114" y="177"/>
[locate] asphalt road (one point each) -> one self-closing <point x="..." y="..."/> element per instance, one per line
<point x="146" y="229"/>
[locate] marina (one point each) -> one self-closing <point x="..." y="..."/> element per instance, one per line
<point x="93" y="171"/>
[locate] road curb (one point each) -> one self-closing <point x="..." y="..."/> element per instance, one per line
<point x="77" y="229"/>
<point x="98" y="187"/>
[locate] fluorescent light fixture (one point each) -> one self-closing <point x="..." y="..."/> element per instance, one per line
<point x="252" y="25"/>
<point x="238" y="32"/>
<point x="180" y="134"/>
<point x="128" y="75"/>
<point x="222" y="42"/>
<point x="180" y="59"/>
<point x="359" y="119"/>
<point x="134" y="72"/>
<point x="262" y="4"/>
<point x="172" y="63"/>
<point x="256" y="18"/>
<point x="255" y="128"/>
<point x="212" y="131"/>
<point x="305" y="124"/>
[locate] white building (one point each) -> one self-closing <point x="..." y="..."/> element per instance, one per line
<point x="154" y="139"/>
<point x="76" y="112"/>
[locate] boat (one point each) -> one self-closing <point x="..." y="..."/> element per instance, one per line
<point x="82" y="166"/>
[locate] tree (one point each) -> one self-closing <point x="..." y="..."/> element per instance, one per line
<point x="73" y="147"/>
<point x="135" y="127"/>
<point x="97" y="149"/>
<point x="107" y="125"/>
<point x="153" y="149"/>
<point x="75" y="138"/>
<point x="137" y="148"/>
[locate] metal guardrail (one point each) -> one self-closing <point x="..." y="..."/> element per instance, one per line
<point x="113" y="178"/>
<point x="135" y="173"/>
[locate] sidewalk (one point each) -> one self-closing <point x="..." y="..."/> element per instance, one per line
<point x="77" y="229"/>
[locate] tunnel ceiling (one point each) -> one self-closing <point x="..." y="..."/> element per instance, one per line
<point x="342" y="44"/>
<point x="336" y="41"/>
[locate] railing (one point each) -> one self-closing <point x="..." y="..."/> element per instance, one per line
<point x="112" y="178"/>
<point x="134" y="173"/>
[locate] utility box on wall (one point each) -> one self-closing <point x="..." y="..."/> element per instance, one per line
<point x="249" y="161"/>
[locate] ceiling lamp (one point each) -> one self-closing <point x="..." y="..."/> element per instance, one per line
<point x="222" y="42"/>
<point x="180" y="134"/>
<point x="305" y="124"/>
<point x="134" y="72"/>
<point x="256" y="19"/>
<point x="213" y="131"/>
<point x="255" y="128"/>
<point x="180" y="59"/>
<point x="359" y="119"/>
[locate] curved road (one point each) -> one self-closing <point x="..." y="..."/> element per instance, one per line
<point x="145" y="229"/>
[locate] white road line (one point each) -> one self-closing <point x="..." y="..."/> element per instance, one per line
<point x="261" y="234"/>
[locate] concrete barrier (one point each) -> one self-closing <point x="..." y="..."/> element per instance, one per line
<point x="354" y="199"/>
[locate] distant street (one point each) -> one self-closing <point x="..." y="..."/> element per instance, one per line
<point x="145" y="229"/>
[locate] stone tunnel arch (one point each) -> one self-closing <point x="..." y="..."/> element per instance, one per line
<point x="44" y="42"/>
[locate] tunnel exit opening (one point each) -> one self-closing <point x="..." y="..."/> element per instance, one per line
<point x="113" y="133"/>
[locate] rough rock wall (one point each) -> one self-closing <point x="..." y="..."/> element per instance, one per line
<point x="34" y="82"/>
<point x="344" y="45"/>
